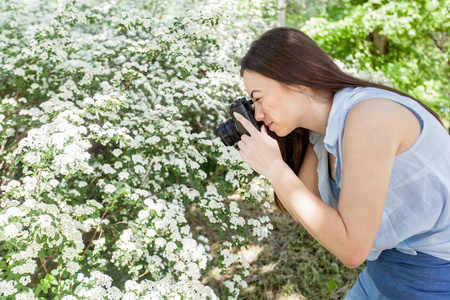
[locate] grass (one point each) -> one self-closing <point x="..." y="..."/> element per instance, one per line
<point x="292" y="265"/>
<point x="289" y="264"/>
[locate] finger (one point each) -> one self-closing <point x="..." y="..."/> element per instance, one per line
<point x="245" y="138"/>
<point x="263" y="129"/>
<point x="241" y="145"/>
<point x="246" y="123"/>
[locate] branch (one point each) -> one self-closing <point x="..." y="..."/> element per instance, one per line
<point x="95" y="233"/>
<point x="39" y="180"/>
<point x="438" y="45"/>
<point x="128" y="85"/>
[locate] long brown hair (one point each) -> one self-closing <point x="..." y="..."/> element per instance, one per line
<point x="290" y="56"/>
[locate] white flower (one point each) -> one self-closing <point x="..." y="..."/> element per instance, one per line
<point x="82" y="184"/>
<point x="15" y="212"/>
<point x="160" y="242"/>
<point x="54" y="183"/>
<point x="171" y="246"/>
<point x="107" y="169"/>
<point x="143" y="214"/>
<point x="109" y="188"/>
<point x="88" y="101"/>
<point x="19" y="72"/>
<point x="97" y="293"/>
<point x="27" y="268"/>
<point x="137" y="158"/>
<point x="186" y="230"/>
<point x="117" y="152"/>
<point x="139" y="169"/>
<point x="32" y="157"/>
<point x="72" y="267"/>
<point x="26" y="296"/>
<point x="100" y="242"/>
<point x="25" y="280"/>
<point x="69" y="253"/>
<point x="11" y="230"/>
<point x="123" y="175"/>
<point x="113" y="293"/>
<point x="150" y="232"/>
<point x="101" y="279"/>
<point x="131" y="285"/>
<point x="7" y="288"/>
<point x="10" y="132"/>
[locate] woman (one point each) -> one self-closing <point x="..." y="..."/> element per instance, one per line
<point x="363" y="167"/>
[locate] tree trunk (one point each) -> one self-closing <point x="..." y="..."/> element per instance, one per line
<point x="281" y="18"/>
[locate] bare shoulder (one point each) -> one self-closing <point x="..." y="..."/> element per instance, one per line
<point x="385" y="120"/>
<point x="379" y="110"/>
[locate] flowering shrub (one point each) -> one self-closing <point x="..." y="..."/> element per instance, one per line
<point x="108" y="151"/>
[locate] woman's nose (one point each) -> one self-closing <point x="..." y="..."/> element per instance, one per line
<point x="259" y="115"/>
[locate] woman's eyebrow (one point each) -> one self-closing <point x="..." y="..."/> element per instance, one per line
<point x="251" y="95"/>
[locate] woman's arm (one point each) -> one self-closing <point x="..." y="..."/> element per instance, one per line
<point x="308" y="171"/>
<point x="371" y="139"/>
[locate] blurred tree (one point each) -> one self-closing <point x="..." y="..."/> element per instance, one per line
<point x="300" y="11"/>
<point x="406" y="40"/>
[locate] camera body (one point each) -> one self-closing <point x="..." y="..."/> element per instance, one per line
<point x="231" y="130"/>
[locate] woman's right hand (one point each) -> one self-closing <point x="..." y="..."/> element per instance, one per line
<point x="259" y="150"/>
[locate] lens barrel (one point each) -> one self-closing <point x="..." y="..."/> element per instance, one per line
<point x="231" y="130"/>
<point x="228" y="132"/>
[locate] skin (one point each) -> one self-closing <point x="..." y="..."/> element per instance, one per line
<point x="376" y="131"/>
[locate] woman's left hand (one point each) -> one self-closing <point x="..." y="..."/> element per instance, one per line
<point x="259" y="150"/>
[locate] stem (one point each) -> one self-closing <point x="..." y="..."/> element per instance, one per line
<point x="95" y="186"/>
<point x="39" y="179"/>
<point x="129" y="83"/>
<point x="95" y="233"/>
<point x="59" y="285"/>
<point x="217" y="173"/>
<point x="143" y="274"/>
<point x="121" y="222"/>
<point x="18" y="138"/>
<point x="95" y="178"/>
<point x="144" y="182"/>
<point x="101" y="118"/>
<point x="43" y="265"/>
<point x="18" y="91"/>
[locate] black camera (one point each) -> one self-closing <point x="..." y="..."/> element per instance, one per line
<point x="231" y="130"/>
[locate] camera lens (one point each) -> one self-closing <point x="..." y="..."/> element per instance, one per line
<point x="228" y="132"/>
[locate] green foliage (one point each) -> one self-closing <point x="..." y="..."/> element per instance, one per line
<point x="408" y="41"/>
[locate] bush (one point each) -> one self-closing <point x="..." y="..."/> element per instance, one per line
<point x="108" y="149"/>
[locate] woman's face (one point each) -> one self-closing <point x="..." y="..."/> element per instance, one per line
<point x="282" y="109"/>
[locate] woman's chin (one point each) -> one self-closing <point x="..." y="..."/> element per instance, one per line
<point x="280" y="134"/>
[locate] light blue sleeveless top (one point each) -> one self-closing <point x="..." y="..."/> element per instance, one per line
<point x="416" y="217"/>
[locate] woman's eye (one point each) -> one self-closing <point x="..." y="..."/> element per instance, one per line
<point x="253" y="103"/>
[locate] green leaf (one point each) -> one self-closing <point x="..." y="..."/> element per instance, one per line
<point x="78" y="289"/>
